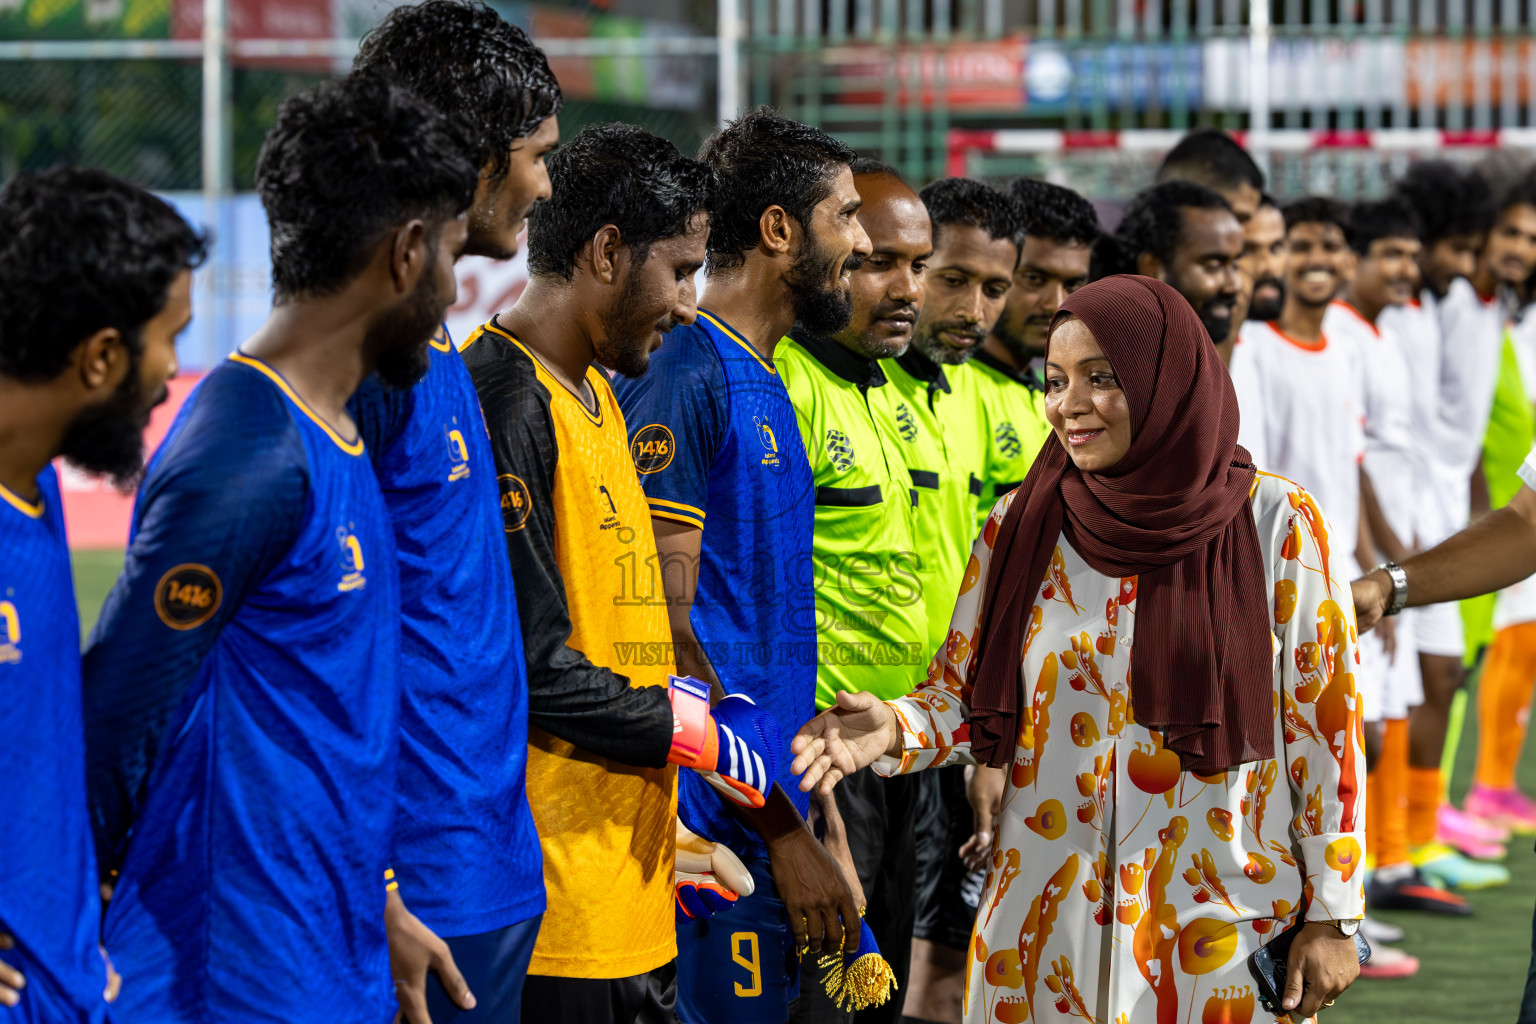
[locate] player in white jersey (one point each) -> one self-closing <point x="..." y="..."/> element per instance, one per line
<point x="1454" y="209"/>
<point x="1504" y="691"/>
<point x="1299" y="392"/>
<point x="1384" y="236"/>
<point x="1473" y="317"/>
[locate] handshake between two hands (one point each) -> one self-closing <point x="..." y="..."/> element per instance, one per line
<point x="739" y="749"/>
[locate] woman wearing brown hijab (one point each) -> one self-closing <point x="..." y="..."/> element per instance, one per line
<point x="1152" y="836"/>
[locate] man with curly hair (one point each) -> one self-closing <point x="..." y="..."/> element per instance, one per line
<point x="712" y="435"/>
<point x="242" y="693"/>
<point x="466" y="849"/>
<point x="612" y="255"/>
<point x="95" y="285"/>
<point x="1187" y="236"/>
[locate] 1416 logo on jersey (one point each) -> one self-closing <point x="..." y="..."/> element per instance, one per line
<point x="188" y="596"/>
<point x="515" y="502"/>
<point x="652" y="448"/>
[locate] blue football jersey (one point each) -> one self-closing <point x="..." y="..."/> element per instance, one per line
<point x="243" y="719"/>
<point x="466" y="853"/>
<point x="716" y="444"/>
<point x="48" y="896"/>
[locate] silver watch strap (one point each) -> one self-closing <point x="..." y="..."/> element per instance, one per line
<point x="1399" y="586"/>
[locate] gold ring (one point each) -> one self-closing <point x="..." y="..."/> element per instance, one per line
<point x="1328" y="1003"/>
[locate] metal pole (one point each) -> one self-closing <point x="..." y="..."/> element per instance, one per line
<point x="215" y="167"/>
<point x="728" y="60"/>
<point x="215" y="174"/>
<point x="1258" y="81"/>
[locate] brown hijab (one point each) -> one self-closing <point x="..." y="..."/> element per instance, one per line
<point x="1174" y="511"/>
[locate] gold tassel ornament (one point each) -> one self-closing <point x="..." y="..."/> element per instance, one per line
<point x="859" y="979"/>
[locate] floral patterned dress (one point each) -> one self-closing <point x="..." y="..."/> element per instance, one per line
<point x="1122" y="890"/>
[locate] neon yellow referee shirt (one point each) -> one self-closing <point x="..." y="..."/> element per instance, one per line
<point x="871" y="622"/>
<point x="1013" y="411"/>
<point x="943" y="432"/>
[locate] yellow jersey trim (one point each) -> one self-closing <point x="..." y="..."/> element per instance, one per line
<point x="740" y="341"/>
<point x="350" y="447"/>
<point x="677" y="505"/>
<point x="597" y="419"/>
<point x="20" y="504"/>
<point x="446" y="346"/>
<point x="676" y="517"/>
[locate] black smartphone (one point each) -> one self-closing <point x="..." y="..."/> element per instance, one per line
<point x="1268" y="965"/>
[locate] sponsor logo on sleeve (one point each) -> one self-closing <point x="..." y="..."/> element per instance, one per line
<point x="652" y="448"/>
<point x="188" y="596"/>
<point x="516" y="503"/>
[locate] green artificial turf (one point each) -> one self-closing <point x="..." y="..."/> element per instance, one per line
<point x="95" y="572"/>
<point x="1473" y="968"/>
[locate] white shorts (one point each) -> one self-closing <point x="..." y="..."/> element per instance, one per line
<point x="1389" y="689"/>
<point x="1404" y="684"/>
<point x="1370" y="680"/>
<point x="1437" y="629"/>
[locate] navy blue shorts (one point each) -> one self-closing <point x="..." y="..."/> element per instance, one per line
<point x="739" y="967"/>
<point x="495" y="965"/>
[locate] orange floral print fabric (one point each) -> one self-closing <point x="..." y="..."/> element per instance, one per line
<point x="1121" y="889"/>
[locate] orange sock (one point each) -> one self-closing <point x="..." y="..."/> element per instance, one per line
<point x="1503" y="704"/>
<point x="1392" y="794"/>
<point x="1423" y="804"/>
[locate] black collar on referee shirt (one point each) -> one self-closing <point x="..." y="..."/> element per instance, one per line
<point x="1024" y="377"/>
<point x="924" y="369"/>
<point x="844" y="362"/>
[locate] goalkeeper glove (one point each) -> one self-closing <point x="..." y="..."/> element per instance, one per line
<point x="735" y="745"/>
<point x="709" y="877"/>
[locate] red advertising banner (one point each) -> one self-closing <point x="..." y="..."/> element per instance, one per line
<point x="96" y="515"/>
<point x="976" y="76"/>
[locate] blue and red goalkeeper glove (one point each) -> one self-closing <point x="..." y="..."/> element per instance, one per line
<point x="735" y="745"/>
<point x="709" y="878"/>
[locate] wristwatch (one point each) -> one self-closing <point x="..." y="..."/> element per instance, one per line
<point x="1347" y="928"/>
<point x="1399" y="586"/>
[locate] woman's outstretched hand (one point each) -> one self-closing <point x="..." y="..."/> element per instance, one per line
<point x="843" y="739"/>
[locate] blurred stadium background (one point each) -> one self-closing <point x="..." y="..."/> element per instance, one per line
<point x="1332" y="97"/>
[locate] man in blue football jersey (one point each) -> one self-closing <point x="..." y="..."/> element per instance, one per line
<point x="466" y="854"/>
<point x="612" y="256"/>
<point x="715" y="441"/>
<point x="242" y="704"/>
<point x="95" y="285"/>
